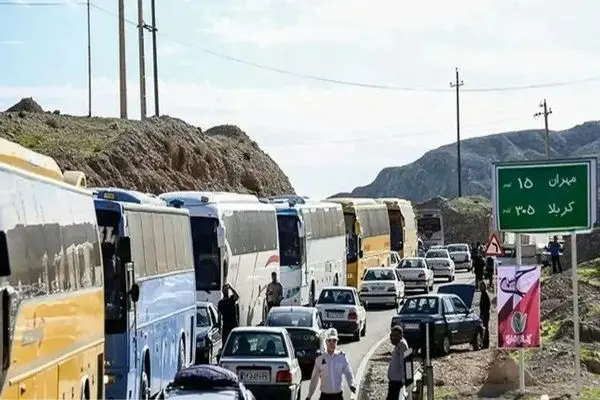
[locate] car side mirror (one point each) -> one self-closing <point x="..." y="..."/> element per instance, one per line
<point x="134" y="292"/>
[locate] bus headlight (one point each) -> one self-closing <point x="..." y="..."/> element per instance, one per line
<point x="110" y="379"/>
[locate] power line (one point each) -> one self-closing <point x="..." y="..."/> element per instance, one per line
<point x="354" y="83"/>
<point x="546" y="111"/>
<point x="317" y="78"/>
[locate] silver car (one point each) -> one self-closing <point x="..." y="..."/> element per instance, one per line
<point x="461" y="255"/>
<point x="264" y="360"/>
<point x="440" y="262"/>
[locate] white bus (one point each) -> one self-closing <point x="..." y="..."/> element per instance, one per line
<point x="430" y="227"/>
<point x="312" y="247"/>
<point x="235" y="242"/>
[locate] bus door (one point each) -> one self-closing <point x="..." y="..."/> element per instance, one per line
<point x="302" y="251"/>
<point x="4" y="310"/>
<point x="133" y="295"/>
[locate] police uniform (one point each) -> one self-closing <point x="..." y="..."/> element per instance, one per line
<point x="330" y="369"/>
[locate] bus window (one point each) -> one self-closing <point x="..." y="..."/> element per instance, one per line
<point x="206" y="253"/>
<point x="115" y="296"/>
<point x="352" y="250"/>
<point x="289" y="241"/>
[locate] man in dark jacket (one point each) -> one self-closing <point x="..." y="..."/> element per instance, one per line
<point x="478" y="267"/>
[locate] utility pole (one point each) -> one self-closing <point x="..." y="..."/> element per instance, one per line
<point x="153" y="29"/>
<point x="89" y="43"/>
<point x="141" y="27"/>
<point x="457" y="84"/>
<point x="547" y="111"/>
<point x="122" y="61"/>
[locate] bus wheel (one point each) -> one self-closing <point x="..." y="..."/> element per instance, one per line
<point x="144" y="387"/>
<point x="336" y="280"/>
<point x="181" y="357"/>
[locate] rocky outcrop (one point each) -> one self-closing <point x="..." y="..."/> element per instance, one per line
<point x="155" y="155"/>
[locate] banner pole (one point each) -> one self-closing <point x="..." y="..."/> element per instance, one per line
<point x="575" y="279"/>
<point x="521" y="351"/>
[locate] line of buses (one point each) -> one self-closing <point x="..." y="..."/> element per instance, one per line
<point x="99" y="286"/>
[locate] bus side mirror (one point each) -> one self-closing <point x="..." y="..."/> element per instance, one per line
<point x="4" y="258"/>
<point x="301" y="231"/>
<point x="134" y="292"/>
<point x="220" y="236"/>
<point x="124" y="249"/>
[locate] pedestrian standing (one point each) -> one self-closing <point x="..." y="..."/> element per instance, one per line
<point x="274" y="292"/>
<point x="396" y="370"/>
<point x="555" y="248"/>
<point x="490" y="267"/>
<point x="330" y="369"/>
<point x="484" y="314"/>
<point x="228" y="311"/>
<point x="478" y="266"/>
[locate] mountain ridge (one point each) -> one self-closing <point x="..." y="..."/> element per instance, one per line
<point x="435" y="173"/>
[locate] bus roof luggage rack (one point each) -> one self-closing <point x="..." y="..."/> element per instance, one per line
<point x="127" y="196"/>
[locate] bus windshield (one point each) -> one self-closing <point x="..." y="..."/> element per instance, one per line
<point x="289" y="240"/>
<point x="429" y="224"/>
<point x="115" y="297"/>
<point x="352" y="249"/>
<point x="396" y="230"/>
<point x="207" y="260"/>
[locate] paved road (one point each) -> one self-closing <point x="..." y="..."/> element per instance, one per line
<point x="378" y="325"/>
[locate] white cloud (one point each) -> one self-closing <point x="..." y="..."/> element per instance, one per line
<point x="331" y="139"/>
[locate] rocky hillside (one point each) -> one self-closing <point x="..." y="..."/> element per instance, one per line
<point x="434" y="174"/>
<point x="156" y="155"/>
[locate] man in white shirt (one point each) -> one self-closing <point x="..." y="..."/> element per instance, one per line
<point x="274" y="292"/>
<point x="396" y="369"/>
<point x="329" y="368"/>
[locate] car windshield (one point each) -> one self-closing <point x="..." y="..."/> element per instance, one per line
<point x="458" y="247"/>
<point x="336" y="296"/>
<point x="255" y="344"/>
<point x="292" y="318"/>
<point x="436" y="254"/>
<point x="202" y="317"/>
<point x="412" y="263"/>
<point x="420" y="305"/>
<point x="379" y="275"/>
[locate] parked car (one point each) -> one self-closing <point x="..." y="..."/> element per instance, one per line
<point x="340" y="308"/>
<point x="461" y="255"/>
<point x="416" y="274"/>
<point x="440" y="262"/>
<point x="265" y="360"/>
<point x="381" y="286"/>
<point x="306" y="330"/>
<point x="207" y="382"/>
<point x="450" y="314"/>
<point x="208" y="334"/>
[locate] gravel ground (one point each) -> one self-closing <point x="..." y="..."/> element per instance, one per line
<point x="493" y="373"/>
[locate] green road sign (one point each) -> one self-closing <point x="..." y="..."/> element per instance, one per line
<point x="545" y="196"/>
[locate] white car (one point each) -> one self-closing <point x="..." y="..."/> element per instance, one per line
<point x="340" y="308"/>
<point x="416" y="274"/>
<point x="265" y="361"/>
<point x="440" y="262"/>
<point x="461" y="255"/>
<point x="382" y="286"/>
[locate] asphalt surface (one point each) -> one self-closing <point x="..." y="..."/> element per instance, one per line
<point x="378" y="326"/>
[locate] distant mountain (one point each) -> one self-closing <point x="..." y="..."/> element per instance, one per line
<point x="434" y="174"/>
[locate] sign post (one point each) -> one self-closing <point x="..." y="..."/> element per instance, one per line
<point x="547" y="196"/>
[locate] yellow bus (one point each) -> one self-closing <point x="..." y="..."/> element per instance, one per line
<point x="403" y="227"/>
<point x="51" y="281"/>
<point x="367" y="235"/>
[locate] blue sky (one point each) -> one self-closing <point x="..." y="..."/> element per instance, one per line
<point x="326" y="137"/>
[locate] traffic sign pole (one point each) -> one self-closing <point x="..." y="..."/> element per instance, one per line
<point x="521" y="350"/>
<point x="575" y="278"/>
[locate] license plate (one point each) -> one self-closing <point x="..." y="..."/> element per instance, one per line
<point x="411" y="326"/>
<point x="379" y="288"/>
<point x="254" y="376"/>
<point x="335" y="314"/>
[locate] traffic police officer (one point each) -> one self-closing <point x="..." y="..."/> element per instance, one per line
<point x="329" y="368"/>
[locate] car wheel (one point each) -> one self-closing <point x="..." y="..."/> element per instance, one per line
<point x="356" y="336"/>
<point x="445" y="348"/>
<point x="144" y="387"/>
<point x="364" y="329"/>
<point x="477" y="340"/>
